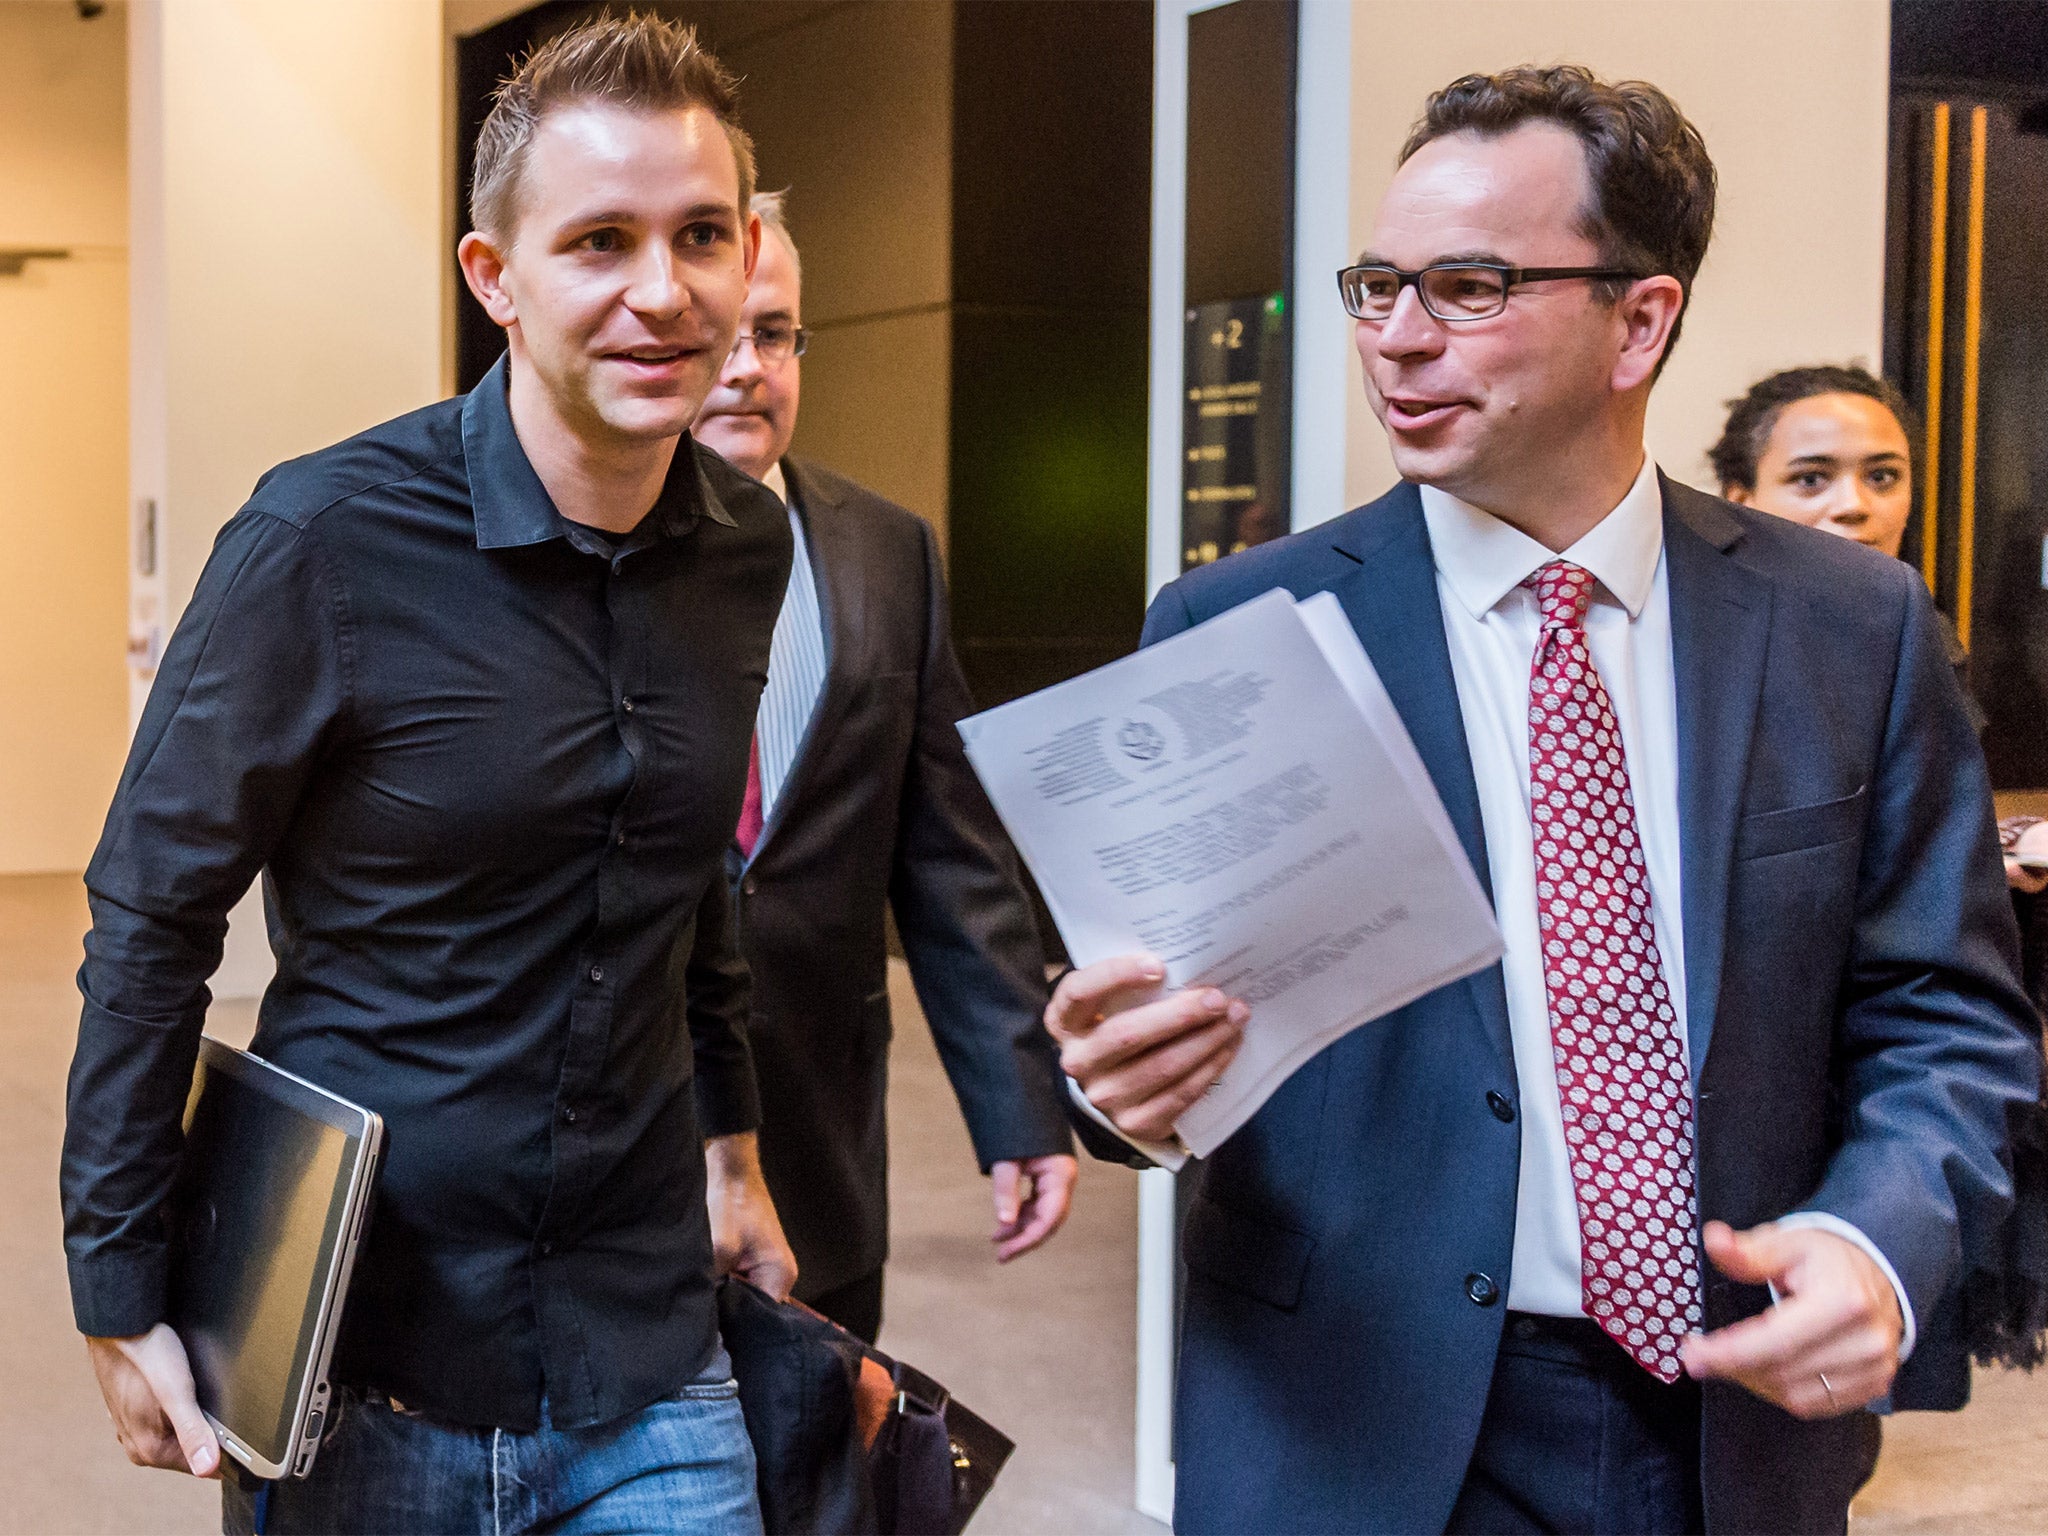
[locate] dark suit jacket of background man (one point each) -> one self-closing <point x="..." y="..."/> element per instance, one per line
<point x="1857" y="1038"/>
<point x="880" y="809"/>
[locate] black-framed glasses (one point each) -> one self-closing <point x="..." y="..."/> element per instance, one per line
<point x="1450" y="290"/>
<point x="774" y="343"/>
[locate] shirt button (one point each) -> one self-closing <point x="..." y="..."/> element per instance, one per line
<point x="569" y="1113"/>
<point x="627" y="704"/>
<point x="597" y="973"/>
<point x="1482" y="1290"/>
<point x="618" y="839"/>
<point x="1503" y="1108"/>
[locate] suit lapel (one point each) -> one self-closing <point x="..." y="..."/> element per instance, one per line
<point x="1720" y="629"/>
<point x="836" y="571"/>
<point x="1392" y="602"/>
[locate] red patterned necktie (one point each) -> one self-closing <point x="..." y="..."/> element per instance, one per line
<point x="1621" y="1068"/>
<point x="748" y="833"/>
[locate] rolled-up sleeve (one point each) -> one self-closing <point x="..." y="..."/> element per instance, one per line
<point x="251" y="695"/>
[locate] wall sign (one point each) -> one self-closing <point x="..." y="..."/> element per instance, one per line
<point x="1236" y="464"/>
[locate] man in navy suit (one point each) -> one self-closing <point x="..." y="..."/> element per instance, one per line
<point x="1626" y="1232"/>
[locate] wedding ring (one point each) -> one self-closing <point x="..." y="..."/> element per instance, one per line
<point x="1829" y="1390"/>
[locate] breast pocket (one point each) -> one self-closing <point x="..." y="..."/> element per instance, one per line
<point x="1800" y="827"/>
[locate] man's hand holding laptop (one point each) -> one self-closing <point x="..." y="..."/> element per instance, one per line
<point x="147" y="1382"/>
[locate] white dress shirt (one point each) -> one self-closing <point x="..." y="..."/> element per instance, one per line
<point x="1491" y="623"/>
<point x="796" y="662"/>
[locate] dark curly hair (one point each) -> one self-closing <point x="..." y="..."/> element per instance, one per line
<point x="1652" y="210"/>
<point x="1753" y="416"/>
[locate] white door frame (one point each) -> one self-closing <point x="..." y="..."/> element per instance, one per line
<point x="1322" y="218"/>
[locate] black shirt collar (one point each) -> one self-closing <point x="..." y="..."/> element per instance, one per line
<point x="513" y="508"/>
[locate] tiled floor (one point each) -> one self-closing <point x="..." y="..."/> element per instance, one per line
<point x="1043" y="1347"/>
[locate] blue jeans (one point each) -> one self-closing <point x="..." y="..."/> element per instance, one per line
<point x="683" y="1465"/>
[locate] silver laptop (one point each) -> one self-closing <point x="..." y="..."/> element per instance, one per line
<point x="267" y="1213"/>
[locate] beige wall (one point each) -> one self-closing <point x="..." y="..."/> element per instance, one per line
<point x="63" y="424"/>
<point x="288" y="242"/>
<point x="1791" y="97"/>
<point x="852" y="106"/>
<point x="294" y="168"/>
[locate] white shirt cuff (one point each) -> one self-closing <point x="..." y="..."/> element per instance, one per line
<point x="1823" y="1222"/>
<point x="1170" y="1155"/>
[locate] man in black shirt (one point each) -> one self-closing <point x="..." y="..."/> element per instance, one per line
<point x="474" y="690"/>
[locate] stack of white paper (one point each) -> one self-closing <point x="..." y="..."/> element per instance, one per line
<point x="1243" y="802"/>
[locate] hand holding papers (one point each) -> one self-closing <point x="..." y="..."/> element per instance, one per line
<point x="1242" y="802"/>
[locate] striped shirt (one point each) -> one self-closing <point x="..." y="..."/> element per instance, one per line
<point x="796" y="663"/>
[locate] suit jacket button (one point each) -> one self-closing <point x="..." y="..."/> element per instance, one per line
<point x="1503" y="1108"/>
<point x="748" y="886"/>
<point x="1482" y="1290"/>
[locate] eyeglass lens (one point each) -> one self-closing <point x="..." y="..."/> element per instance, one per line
<point x="1449" y="292"/>
<point x="774" y="343"/>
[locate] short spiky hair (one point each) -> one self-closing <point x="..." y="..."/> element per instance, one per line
<point x="643" y="63"/>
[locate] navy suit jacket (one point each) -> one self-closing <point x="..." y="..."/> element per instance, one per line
<point x="1858" y="1038"/>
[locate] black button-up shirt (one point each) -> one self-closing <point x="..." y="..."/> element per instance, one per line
<point x="489" y="762"/>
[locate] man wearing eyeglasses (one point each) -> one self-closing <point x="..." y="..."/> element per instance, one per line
<point x="860" y="800"/>
<point x="1626" y="1233"/>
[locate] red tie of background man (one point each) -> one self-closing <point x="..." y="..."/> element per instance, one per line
<point x="748" y="833"/>
<point x="1621" y="1069"/>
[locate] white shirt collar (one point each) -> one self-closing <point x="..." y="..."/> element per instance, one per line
<point x="1484" y="559"/>
<point x="779" y="484"/>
